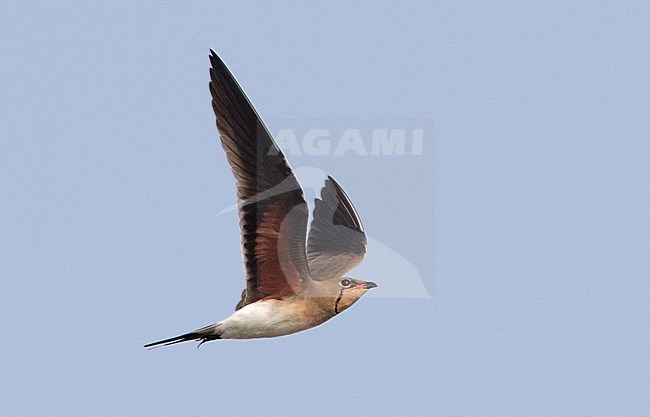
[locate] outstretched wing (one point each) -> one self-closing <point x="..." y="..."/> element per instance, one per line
<point x="337" y="241"/>
<point x="272" y="208"/>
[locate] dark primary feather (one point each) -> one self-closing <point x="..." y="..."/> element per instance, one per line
<point x="272" y="209"/>
<point x="337" y="241"/>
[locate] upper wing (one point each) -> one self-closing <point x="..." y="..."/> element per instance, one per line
<point x="272" y="208"/>
<point x="337" y="242"/>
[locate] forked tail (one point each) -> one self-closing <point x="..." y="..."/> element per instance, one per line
<point x="204" y="334"/>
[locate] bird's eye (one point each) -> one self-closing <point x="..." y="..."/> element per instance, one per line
<point x="345" y="283"/>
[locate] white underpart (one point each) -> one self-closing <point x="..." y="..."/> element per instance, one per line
<point x="268" y="318"/>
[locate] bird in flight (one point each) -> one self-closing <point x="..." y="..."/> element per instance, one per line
<point x="293" y="282"/>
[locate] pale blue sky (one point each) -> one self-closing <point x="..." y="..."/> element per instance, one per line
<point x="533" y="184"/>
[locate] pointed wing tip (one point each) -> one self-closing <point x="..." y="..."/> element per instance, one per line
<point x="342" y="197"/>
<point x="215" y="60"/>
<point x="337" y="186"/>
<point x="333" y="181"/>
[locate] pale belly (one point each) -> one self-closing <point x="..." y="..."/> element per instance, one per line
<point x="269" y="318"/>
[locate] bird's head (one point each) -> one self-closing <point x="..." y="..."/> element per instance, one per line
<point x="348" y="291"/>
